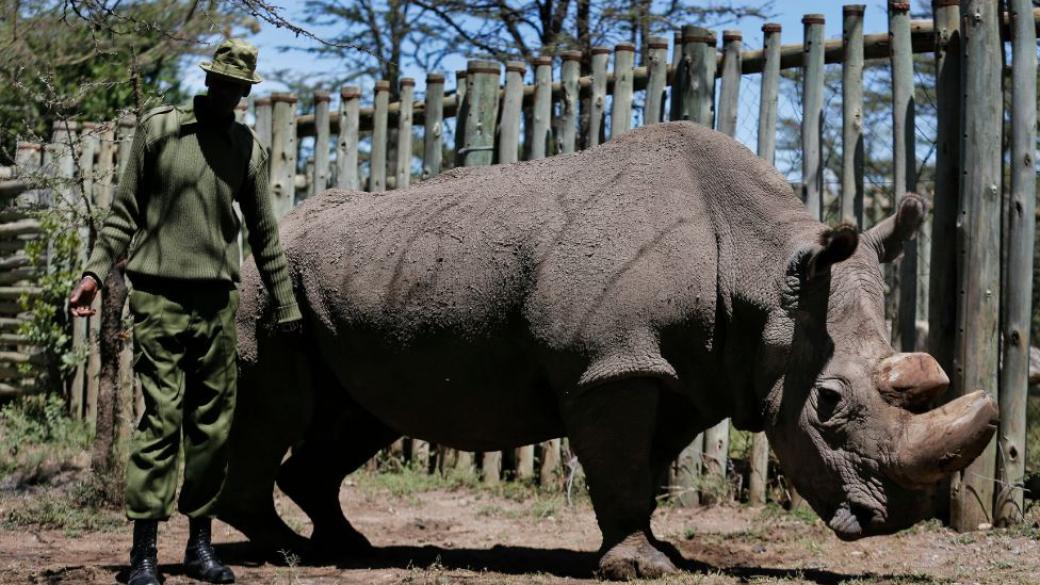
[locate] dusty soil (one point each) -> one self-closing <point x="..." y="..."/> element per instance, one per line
<point x="465" y="535"/>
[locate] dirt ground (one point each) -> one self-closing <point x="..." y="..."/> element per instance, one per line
<point x="437" y="535"/>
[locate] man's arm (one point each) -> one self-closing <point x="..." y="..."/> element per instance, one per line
<point x="255" y="202"/>
<point x="122" y="222"/>
<point x="116" y="232"/>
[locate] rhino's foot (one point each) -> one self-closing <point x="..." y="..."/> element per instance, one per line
<point x="265" y="530"/>
<point x="635" y="558"/>
<point x="341" y="541"/>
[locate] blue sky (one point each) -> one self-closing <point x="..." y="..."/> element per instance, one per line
<point x="789" y="14"/>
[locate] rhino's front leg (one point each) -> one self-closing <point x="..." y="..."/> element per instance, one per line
<point x="611" y="428"/>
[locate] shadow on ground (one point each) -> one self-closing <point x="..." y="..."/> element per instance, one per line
<point x="520" y="560"/>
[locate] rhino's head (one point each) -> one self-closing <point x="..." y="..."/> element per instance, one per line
<point x="850" y="418"/>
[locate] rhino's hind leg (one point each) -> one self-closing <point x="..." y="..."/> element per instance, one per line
<point x="611" y="428"/>
<point x="341" y="439"/>
<point x="275" y="403"/>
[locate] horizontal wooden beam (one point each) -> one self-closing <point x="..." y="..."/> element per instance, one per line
<point x="19" y="228"/>
<point x="13" y="293"/>
<point x="17" y="357"/>
<point x="15" y="390"/>
<point x="12" y="188"/>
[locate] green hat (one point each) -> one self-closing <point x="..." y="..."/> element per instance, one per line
<point x="234" y="59"/>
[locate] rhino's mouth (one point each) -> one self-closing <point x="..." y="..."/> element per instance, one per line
<point x="852" y="521"/>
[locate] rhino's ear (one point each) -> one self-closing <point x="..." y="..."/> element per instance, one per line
<point x="835" y="245"/>
<point x="888" y="236"/>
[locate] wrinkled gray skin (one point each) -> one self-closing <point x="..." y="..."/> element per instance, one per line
<point x="627" y="297"/>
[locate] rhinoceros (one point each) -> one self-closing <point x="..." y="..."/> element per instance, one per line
<point x="627" y="297"/>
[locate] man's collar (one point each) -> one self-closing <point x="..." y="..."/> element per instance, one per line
<point x="206" y="117"/>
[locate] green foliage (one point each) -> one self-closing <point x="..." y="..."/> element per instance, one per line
<point x="773" y="512"/>
<point x="37" y="439"/>
<point x="95" y="62"/>
<point x="77" y="510"/>
<point x="56" y="258"/>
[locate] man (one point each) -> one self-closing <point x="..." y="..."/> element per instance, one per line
<point x="173" y="210"/>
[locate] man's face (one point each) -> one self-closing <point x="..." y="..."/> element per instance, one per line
<point x="224" y="94"/>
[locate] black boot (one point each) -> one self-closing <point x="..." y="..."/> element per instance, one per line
<point x="200" y="560"/>
<point x="144" y="568"/>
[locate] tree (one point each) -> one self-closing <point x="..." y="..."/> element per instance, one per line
<point x="94" y="60"/>
<point x="423" y="33"/>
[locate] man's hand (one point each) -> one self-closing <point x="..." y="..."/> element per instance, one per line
<point x="83" y="296"/>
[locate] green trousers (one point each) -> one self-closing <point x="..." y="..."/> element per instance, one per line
<point x="185" y="357"/>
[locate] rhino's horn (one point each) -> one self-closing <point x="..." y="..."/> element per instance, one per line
<point x="910" y="380"/>
<point x="931" y="445"/>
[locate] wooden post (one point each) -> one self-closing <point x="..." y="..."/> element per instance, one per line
<point x="433" y="126"/>
<point x="283" y="153"/>
<point x="978" y="241"/>
<point x="541" y="136"/>
<point x="657" y="79"/>
<point x="598" y="98"/>
<point x="852" y="116"/>
<point x="90" y="144"/>
<point x="692" y="94"/>
<point x="904" y="281"/>
<point x="769" y="92"/>
<point x="460" y="114"/>
<point x="812" y="115"/>
<point x="693" y="90"/>
<point x="481" y="113"/>
<point x="569" y="73"/>
<point x="263" y="122"/>
<point x="308" y="179"/>
<point x="377" y="163"/>
<point x="404" y="134"/>
<point x="127" y="127"/>
<point x="512" y="100"/>
<point x="942" y="301"/>
<point x="729" y="94"/>
<point x="478" y="150"/>
<point x="1021" y="231"/>
<point x="59" y="162"/>
<point x="321" y="143"/>
<point x="28" y="160"/>
<point x="105" y="168"/>
<point x="621" y="105"/>
<point x="768" y="97"/>
<point x="347" y="143"/>
<point x="508" y="152"/>
<point x="716" y="438"/>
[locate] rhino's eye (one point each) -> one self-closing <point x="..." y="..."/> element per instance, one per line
<point x="828" y="401"/>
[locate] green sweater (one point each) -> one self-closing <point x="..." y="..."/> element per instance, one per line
<point x="173" y="207"/>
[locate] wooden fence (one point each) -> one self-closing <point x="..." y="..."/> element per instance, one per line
<point x="973" y="318"/>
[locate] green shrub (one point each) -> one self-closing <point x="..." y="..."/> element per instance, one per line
<point x="56" y="258"/>
<point x="37" y="438"/>
<point x="82" y="508"/>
